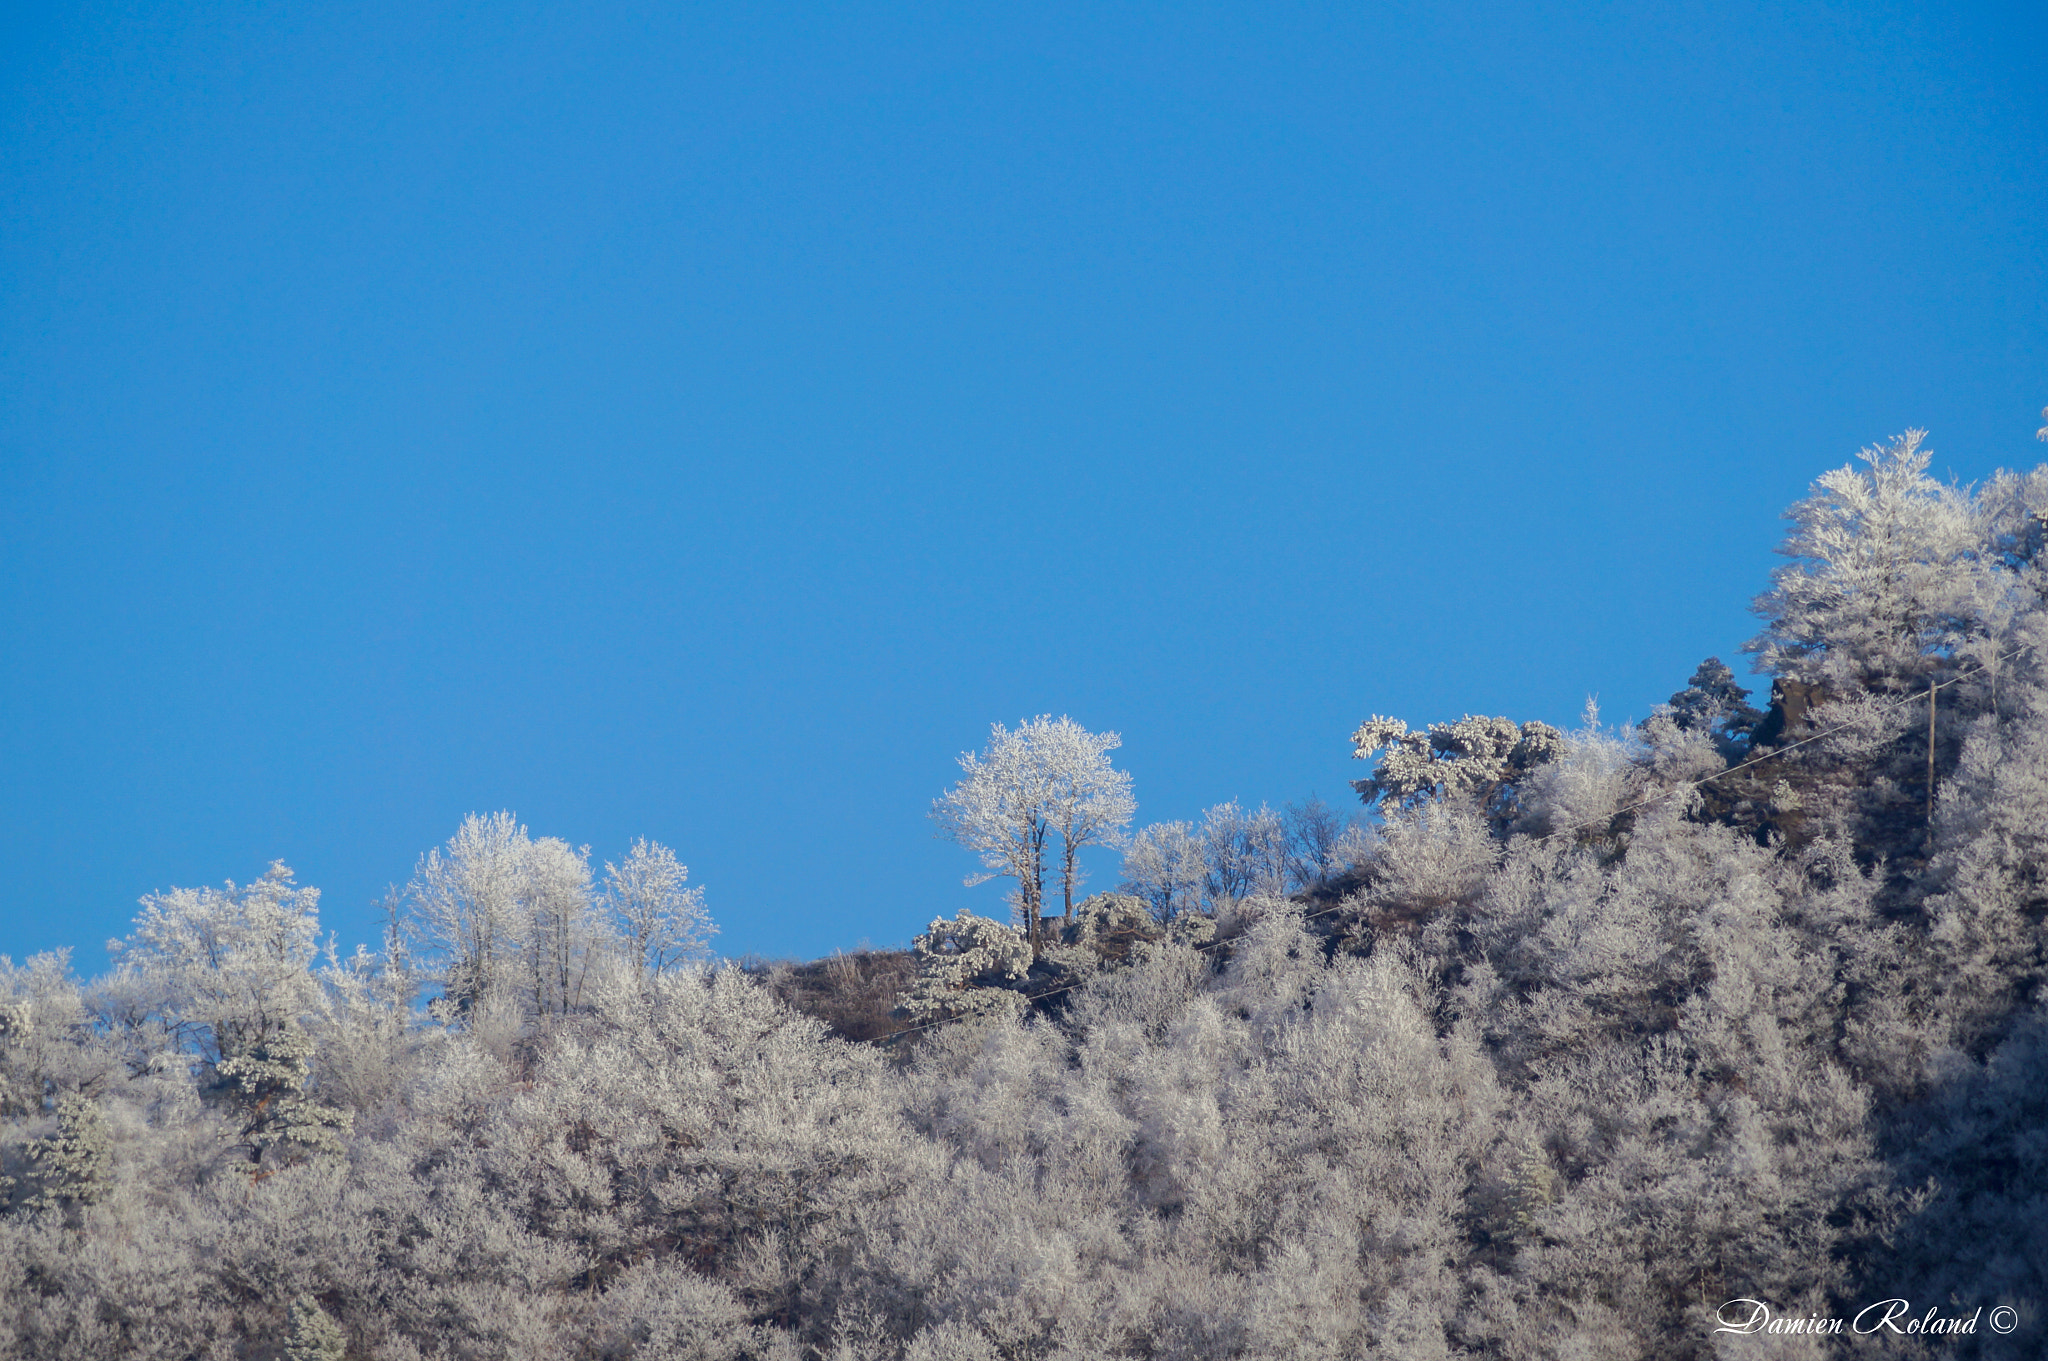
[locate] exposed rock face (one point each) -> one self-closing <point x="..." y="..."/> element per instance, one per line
<point x="1791" y="714"/>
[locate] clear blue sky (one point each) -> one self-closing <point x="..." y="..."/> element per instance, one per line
<point x="700" y="422"/>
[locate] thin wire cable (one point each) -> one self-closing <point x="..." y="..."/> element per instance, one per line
<point x="1685" y="785"/>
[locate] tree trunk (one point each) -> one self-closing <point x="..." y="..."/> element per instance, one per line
<point x="1034" y="894"/>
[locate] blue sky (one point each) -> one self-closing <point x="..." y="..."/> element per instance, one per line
<point x="701" y="422"/>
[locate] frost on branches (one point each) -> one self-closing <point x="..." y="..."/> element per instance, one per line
<point x="954" y="955"/>
<point x="1559" y="1042"/>
<point x="1889" y="575"/>
<point x="1051" y="778"/>
<point x="1483" y="759"/>
<point x="1235" y="853"/>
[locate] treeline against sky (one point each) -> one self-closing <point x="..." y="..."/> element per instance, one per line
<point x="1565" y="1042"/>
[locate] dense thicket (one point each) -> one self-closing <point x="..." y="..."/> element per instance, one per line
<point x="1573" y="1039"/>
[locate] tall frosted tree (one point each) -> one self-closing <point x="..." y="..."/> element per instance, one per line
<point x="563" y="933"/>
<point x="1164" y="865"/>
<point x="75" y="1164"/>
<point x="1887" y="575"/>
<point x="221" y="971"/>
<point x="1244" y="852"/>
<point x="1049" y="776"/>
<point x="467" y="900"/>
<point x="508" y="915"/>
<point x="1088" y="802"/>
<point x="2015" y="507"/>
<point x="998" y="811"/>
<point x="46" y="1035"/>
<point x="662" y="922"/>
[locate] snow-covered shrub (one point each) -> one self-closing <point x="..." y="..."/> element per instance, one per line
<point x="953" y="956"/>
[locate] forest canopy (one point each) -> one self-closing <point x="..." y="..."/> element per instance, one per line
<point x="1554" y="1046"/>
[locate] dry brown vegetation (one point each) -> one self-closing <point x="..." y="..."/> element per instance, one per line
<point x="853" y="993"/>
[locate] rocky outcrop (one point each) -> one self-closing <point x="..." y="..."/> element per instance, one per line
<point x="1791" y="714"/>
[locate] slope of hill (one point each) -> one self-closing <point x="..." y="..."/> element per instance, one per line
<point x="1720" y="1032"/>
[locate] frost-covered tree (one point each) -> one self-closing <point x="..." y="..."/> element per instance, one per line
<point x="277" y="1123"/>
<point x="1482" y="759"/>
<point x="468" y="905"/>
<point x="1426" y="859"/>
<point x="218" y="972"/>
<point x="74" y="1166"/>
<point x="2015" y="509"/>
<point x="1164" y="865"/>
<point x="508" y="918"/>
<point x="952" y="956"/>
<point x="1714" y="704"/>
<point x="1088" y="802"/>
<point x="47" y="1044"/>
<point x="314" y="1335"/>
<point x="221" y="980"/>
<point x="1321" y="843"/>
<point x="661" y="922"/>
<point x="1049" y="776"/>
<point x="1244" y="852"/>
<point x="998" y="811"/>
<point x="564" y="934"/>
<point x="1889" y="575"/>
<point x="1988" y="940"/>
<point x="368" y="1042"/>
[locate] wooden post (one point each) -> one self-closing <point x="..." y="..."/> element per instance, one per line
<point x="1930" y="756"/>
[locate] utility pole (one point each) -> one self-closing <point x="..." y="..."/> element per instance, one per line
<point x="1931" y="688"/>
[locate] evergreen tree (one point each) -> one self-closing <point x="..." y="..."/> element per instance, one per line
<point x="314" y="1335"/>
<point x="75" y="1165"/>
